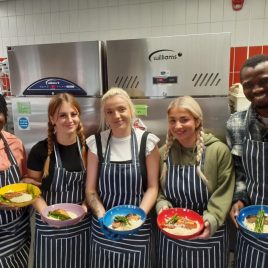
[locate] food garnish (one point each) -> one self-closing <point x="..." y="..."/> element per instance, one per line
<point x="179" y="221"/>
<point x="124" y="221"/>
<point x="260" y="218"/>
<point x="59" y="214"/>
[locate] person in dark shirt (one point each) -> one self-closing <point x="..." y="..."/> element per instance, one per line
<point x="58" y="164"/>
<point x="247" y="136"/>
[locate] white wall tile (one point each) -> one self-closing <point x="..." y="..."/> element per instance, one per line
<point x="216" y="9"/>
<point x="93" y="19"/>
<point x="5" y="43"/>
<point x="46" y="6"/>
<point x="265" y="32"/>
<point x="123" y="17"/>
<point x="4" y="27"/>
<point x="13" y="41"/>
<point x="168" y="13"/>
<point x="92" y="3"/>
<point x="64" y="22"/>
<point x="29" y="25"/>
<point x="204" y="11"/>
<point x="3" y="9"/>
<point x="216" y="27"/>
<point x="157" y="14"/>
<point x="30" y="40"/>
<point x="82" y="4"/>
<point x="257" y="9"/>
<point x="203" y="28"/>
<point x="19" y="7"/>
<point x="20" y="26"/>
<point x="28" y="6"/>
<point x="54" y="6"/>
<point x="64" y="5"/>
<point x="157" y="31"/>
<point x="191" y="11"/>
<point x="37" y="6"/>
<point x="179" y="29"/>
<point x="112" y="2"/>
<point x="73" y="5"/>
<point x="103" y="3"/>
<point x="11" y="8"/>
<point x="113" y="18"/>
<point x="70" y="37"/>
<point x="256" y="32"/>
<point x="21" y="40"/>
<point x="46" y="23"/>
<point x="228" y="12"/>
<point x="84" y="20"/>
<point x="89" y="36"/>
<point x="230" y="26"/>
<point x="241" y="33"/>
<point x="12" y="26"/>
<point x="103" y="18"/>
<point x="55" y="38"/>
<point x="191" y="28"/>
<point x="180" y="12"/>
<point x="245" y="12"/>
<point x="133" y="21"/>
<point x="145" y="15"/>
<point x="74" y="21"/>
<point x="55" y="23"/>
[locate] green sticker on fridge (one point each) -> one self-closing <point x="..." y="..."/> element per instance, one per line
<point x="141" y="109"/>
<point x="24" y="107"/>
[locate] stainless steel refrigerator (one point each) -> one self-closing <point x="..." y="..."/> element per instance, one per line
<point x="155" y="70"/>
<point x="39" y="71"/>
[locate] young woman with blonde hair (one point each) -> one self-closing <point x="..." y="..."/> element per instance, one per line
<point x="197" y="173"/>
<point x="115" y="177"/>
<point x="58" y="164"/>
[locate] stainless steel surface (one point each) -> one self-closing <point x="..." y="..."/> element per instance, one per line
<point x="79" y="62"/>
<point x="199" y="63"/>
<point x="34" y="109"/>
<point x="214" y="122"/>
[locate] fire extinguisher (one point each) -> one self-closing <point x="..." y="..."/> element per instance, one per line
<point x="237" y="4"/>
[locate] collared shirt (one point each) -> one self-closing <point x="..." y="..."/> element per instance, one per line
<point x="236" y="134"/>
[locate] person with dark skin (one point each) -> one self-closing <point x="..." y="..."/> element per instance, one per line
<point x="14" y="222"/>
<point x="247" y="136"/>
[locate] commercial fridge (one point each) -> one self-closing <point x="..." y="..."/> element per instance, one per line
<point x="39" y="71"/>
<point x="155" y="70"/>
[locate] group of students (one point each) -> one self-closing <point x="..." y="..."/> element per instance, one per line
<point x="123" y="165"/>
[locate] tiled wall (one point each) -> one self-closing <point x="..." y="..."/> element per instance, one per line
<point x="25" y="22"/>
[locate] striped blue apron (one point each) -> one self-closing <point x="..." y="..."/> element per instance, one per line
<point x="185" y="189"/>
<point x="68" y="246"/>
<point x="252" y="251"/>
<point x="14" y="224"/>
<point x="121" y="183"/>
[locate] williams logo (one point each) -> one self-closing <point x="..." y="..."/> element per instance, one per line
<point x="164" y="54"/>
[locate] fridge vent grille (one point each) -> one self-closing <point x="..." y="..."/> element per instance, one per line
<point x="127" y="82"/>
<point x="206" y="79"/>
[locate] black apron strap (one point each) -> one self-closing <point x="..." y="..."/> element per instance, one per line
<point x="142" y="157"/>
<point x="99" y="151"/>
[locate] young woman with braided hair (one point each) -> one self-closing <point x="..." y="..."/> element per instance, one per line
<point x="197" y="173"/>
<point x="58" y="164"/>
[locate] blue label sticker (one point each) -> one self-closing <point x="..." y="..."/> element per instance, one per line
<point x="23" y="122"/>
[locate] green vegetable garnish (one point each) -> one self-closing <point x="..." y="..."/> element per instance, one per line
<point x="3" y="199"/>
<point x="260" y="218"/>
<point x="122" y="219"/>
<point x="173" y="219"/>
<point x="58" y="216"/>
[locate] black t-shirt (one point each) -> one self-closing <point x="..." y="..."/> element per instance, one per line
<point x="70" y="158"/>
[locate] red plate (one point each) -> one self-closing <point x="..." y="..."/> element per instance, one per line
<point x="184" y="212"/>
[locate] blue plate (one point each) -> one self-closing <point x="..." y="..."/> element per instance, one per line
<point x="251" y="210"/>
<point x="122" y="210"/>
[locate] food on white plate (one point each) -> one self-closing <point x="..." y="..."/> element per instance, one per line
<point x="126" y="223"/>
<point x="257" y="223"/>
<point x="179" y="225"/>
<point x="61" y="215"/>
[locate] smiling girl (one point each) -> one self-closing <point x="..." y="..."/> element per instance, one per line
<point x="197" y="173"/>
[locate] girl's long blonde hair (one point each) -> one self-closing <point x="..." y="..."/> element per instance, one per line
<point x="193" y="107"/>
<point x="55" y="104"/>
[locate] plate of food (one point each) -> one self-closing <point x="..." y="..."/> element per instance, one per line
<point x="63" y="214"/>
<point x="18" y="194"/>
<point x="180" y="223"/>
<point x="124" y="219"/>
<point x="254" y="220"/>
